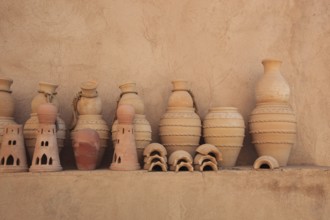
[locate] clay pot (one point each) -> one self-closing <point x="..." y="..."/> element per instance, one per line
<point x="89" y="102"/>
<point x="94" y="122"/>
<point x="180" y="129"/>
<point x="273" y="129"/>
<point x="46" y="94"/>
<point x="12" y="152"/>
<point x="86" y="146"/>
<point x="47" y="113"/>
<point x="142" y="128"/>
<point x="180" y="126"/>
<point x="265" y="162"/>
<point x="129" y="96"/>
<point x="272" y="87"/>
<point x="6" y="105"/>
<point x="46" y="156"/>
<point x="181" y="95"/>
<point x="87" y="111"/>
<point x="125" y="155"/>
<point x="155" y="157"/>
<point x="224" y="128"/>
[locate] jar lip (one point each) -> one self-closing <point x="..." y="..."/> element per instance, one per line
<point x="6" y="79"/>
<point x="89" y="85"/>
<point x="271" y="60"/>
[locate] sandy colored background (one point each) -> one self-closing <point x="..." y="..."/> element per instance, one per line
<point x="216" y="45"/>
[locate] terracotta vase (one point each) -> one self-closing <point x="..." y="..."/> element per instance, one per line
<point x="142" y="128"/>
<point x="46" y="155"/>
<point x="224" y="128"/>
<point x="12" y="152"/>
<point x="273" y="129"/>
<point x="86" y="146"/>
<point x="180" y="126"/>
<point x="125" y="154"/>
<point x="6" y="105"/>
<point x="272" y="87"/>
<point x="273" y="123"/>
<point x="46" y="94"/>
<point x="87" y="114"/>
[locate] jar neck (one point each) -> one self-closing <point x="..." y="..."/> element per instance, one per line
<point x="271" y="65"/>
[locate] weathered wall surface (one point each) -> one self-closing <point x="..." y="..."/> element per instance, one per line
<point x="216" y="45"/>
<point x="290" y="194"/>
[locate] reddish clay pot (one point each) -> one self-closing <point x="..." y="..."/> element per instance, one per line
<point x="86" y="146"/>
<point x="47" y="113"/>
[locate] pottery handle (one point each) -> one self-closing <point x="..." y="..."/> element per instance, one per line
<point x="75" y="110"/>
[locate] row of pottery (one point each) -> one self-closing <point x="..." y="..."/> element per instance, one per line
<point x="272" y="122"/>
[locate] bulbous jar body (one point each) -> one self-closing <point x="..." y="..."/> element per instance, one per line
<point x="180" y="96"/>
<point x="6" y="105"/>
<point x="273" y="130"/>
<point x="180" y="129"/>
<point x="224" y="127"/>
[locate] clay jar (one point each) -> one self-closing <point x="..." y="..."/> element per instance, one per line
<point x="86" y="146"/>
<point x="46" y="94"/>
<point x="87" y="114"/>
<point x="6" y="105"/>
<point x="142" y="128"/>
<point x="272" y="122"/>
<point x="273" y="129"/>
<point x="224" y="128"/>
<point x="272" y="86"/>
<point x="180" y="126"/>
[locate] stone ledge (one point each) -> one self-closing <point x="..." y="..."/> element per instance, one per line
<point x="241" y="193"/>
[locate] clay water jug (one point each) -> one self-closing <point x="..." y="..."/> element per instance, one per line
<point x="87" y="110"/>
<point x="273" y="123"/>
<point x="180" y="126"/>
<point x="224" y="128"/>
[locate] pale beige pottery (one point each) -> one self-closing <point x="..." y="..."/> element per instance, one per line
<point x="273" y="123"/>
<point x="224" y="127"/>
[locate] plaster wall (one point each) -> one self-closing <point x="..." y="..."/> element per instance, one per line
<point x="216" y="45"/>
